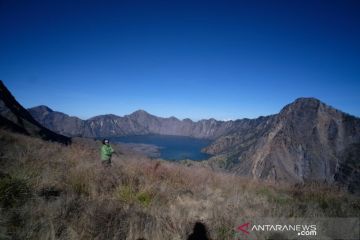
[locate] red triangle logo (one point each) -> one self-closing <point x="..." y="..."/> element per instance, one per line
<point x="243" y="228"/>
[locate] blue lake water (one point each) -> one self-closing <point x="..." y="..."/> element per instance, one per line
<point x="171" y="147"/>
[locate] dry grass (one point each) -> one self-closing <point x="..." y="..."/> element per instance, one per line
<point x="58" y="192"/>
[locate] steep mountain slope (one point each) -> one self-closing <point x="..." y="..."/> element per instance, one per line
<point x="57" y="121"/>
<point x="16" y="118"/>
<point x="307" y="140"/>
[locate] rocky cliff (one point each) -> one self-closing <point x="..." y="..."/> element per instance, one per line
<point x="307" y="140"/>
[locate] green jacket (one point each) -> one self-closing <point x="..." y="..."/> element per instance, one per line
<point x="106" y="152"/>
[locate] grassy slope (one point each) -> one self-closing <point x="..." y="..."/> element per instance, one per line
<point x="49" y="191"/>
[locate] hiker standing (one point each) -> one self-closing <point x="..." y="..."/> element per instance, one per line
<point x="106" y="153"/>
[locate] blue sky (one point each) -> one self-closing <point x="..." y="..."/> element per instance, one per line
<point x="196" y="59"/>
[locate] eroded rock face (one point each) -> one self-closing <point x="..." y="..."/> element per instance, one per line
<point x="305" y="141"/>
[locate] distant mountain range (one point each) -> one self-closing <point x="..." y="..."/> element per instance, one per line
<point x="306" y="141"/>
<point x="137" y="123"/>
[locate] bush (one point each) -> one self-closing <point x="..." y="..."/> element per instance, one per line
<point x="127" y="194"/>
<point x="144" y="198"/>
<point x="14" y="192"/>
<point x="124" y="194"/>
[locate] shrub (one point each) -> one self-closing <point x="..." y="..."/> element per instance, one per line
<point x="14" y="192"/>
<point x="144" y="198"/>
<point x="127" y="194"/>
<point x="124" y="194"/>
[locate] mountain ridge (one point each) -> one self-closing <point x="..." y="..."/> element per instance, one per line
<point x="137" y="123"/>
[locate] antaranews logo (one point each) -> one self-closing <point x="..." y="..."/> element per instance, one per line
<point x="299" y="229"/>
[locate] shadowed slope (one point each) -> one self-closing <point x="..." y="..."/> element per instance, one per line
<point x="16" y="118"/>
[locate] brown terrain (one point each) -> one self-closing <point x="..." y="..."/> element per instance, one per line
<point x="56" y="189"/>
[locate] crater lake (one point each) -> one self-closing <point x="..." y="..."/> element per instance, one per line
<point x="170" y="147"/>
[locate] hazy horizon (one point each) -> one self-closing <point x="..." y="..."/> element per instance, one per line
<point x="169" y="116"/>
<point x="188" y="59"/>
